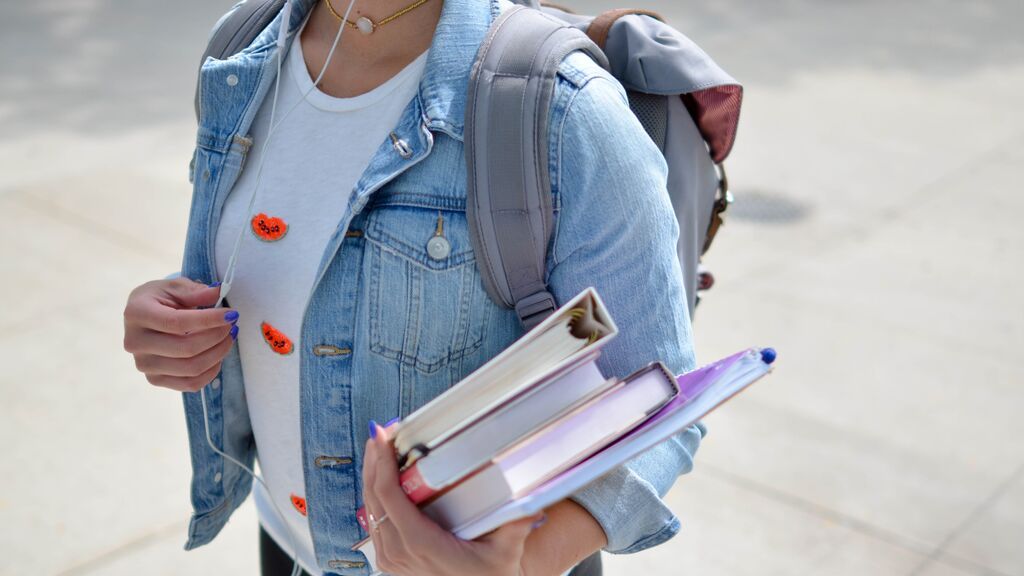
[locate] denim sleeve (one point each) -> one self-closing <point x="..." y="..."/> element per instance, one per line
<point x="615" y="230"/>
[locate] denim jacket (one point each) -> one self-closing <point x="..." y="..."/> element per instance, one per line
<point x="388" y="327"/>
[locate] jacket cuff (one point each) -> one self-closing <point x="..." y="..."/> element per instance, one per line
<point x="627" y="502"/>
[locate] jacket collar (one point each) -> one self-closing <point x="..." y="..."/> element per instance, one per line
<point x="442" y="91"/>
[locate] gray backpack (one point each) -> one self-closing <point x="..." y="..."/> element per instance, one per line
<point x="686" y="103"/>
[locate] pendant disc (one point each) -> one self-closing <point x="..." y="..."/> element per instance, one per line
<point x="365" y="25"/>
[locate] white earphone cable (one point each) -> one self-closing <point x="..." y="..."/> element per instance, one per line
<point x="296" y="570"/>
<point x="229" y="274"/>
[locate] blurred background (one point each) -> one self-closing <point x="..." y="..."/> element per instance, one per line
<point x="876" y="242"/>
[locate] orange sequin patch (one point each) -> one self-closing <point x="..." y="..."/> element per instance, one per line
<point x="277" y="341"/>
<point x="268" y="228"/>
<point x="299" y="503"/>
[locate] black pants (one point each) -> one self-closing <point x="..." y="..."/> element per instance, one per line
<point x="276" y="562"/>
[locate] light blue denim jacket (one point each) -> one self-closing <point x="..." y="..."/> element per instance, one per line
<point x="387" y="327"/>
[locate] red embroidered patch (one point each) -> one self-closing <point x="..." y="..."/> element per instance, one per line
<point x="267" y="228"/>
<point x="300" y="504"/>
<point x="277" y="341"/>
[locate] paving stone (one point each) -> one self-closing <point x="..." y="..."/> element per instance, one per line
<point x="996" y="537"/>
<point x="732" y="531"/>
<point x="95" y="444"/>
<point x="940" y="569"/>
<point x="234" y="551"/>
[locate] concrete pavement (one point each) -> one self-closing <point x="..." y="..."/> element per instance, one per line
<point x="876" y="243"/>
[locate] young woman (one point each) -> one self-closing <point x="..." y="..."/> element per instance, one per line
<point x="341" y="315"/>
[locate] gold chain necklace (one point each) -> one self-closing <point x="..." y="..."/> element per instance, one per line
<point x="367" y="26"/>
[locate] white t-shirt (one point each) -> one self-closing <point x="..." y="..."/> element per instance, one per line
<point x="317" y="155"/>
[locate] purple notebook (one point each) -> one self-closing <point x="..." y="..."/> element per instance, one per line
<point x="700" y="392"/>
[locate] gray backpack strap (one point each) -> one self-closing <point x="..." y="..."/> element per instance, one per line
<point x="237" y="29"/>
<point x="508" y="192"/>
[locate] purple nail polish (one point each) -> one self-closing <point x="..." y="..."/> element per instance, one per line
<point x="539" y="523"/>
<point x="392" y="421"/>
<point x="373" y="429"/>
<point x="231" y="316"/>
<point x="214" y="285"/>
<point x="234" y="332"/>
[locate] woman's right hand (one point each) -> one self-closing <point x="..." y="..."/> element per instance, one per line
<point x="176" y="343"/>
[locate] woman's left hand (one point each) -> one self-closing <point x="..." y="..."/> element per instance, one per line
<point x="409" y="543"/>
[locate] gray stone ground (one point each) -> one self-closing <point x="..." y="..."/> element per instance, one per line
<point x="876" y="243"/>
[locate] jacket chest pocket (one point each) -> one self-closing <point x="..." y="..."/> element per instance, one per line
<point x="427" y="306"/>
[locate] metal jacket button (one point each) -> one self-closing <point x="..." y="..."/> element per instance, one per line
<point x="232" y="80"/>
<point x="438" y="248"/>
<point x="328" y="350"/>
<point x="401" y="146"/>
<point x="345" y="564"/>
<point x="331" y="461"/>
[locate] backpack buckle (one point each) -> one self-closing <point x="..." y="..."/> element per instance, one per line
<point x="722" y="202"/>
<point x="535" y="308"/>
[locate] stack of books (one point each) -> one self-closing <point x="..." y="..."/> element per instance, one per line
<point x="540" y="421"/>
